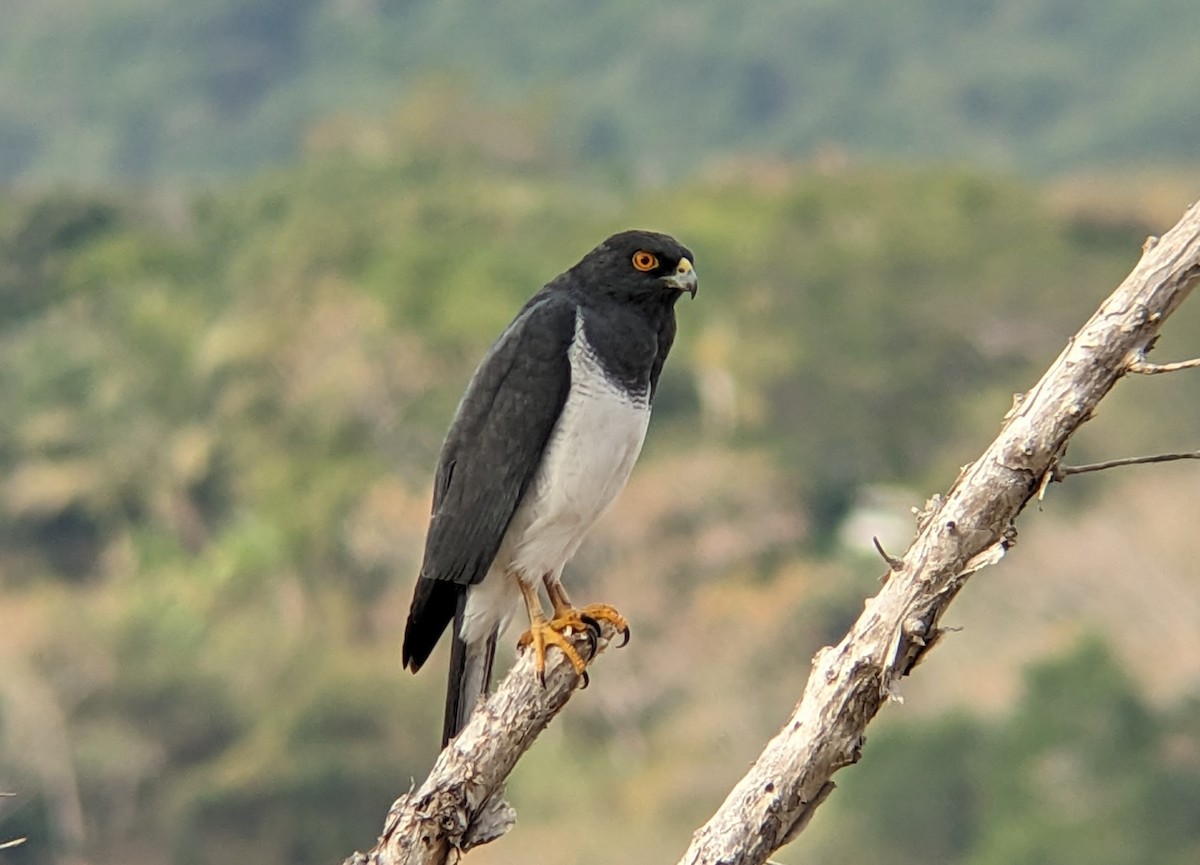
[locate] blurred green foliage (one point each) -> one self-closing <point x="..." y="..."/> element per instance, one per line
<point x="155" y="89"/>
<point x="1082" y="770"/>
<point x="218" y="416"/>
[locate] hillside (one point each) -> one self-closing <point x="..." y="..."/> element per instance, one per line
<point x="218" y="416"/>
<point x="156" y="90"/>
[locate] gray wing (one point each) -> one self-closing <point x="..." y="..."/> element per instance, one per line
<point x="489" y="458"/>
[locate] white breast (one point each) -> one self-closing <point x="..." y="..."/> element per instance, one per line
<point x="591" y="452"/>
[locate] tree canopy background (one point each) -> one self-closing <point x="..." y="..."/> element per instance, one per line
<point x="158" y="89"/>
<point x="250" y="253"/>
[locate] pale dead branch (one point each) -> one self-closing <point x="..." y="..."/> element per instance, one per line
<point x="459" y="806"/>
<point x="968" y="528"/>
<point x="959" y="533"/>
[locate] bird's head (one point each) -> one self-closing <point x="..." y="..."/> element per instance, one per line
<point x="639" y="264"/>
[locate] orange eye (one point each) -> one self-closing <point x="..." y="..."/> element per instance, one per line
<point x="644" y="261"/>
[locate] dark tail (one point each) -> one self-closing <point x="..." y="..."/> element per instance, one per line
<point x="470" y="675"/>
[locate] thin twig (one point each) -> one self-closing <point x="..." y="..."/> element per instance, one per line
<point x="1145" y="367"/>
<point x="893" y="563"/>
<point x="15" y="842"/>
<point x="1061" y="472"/>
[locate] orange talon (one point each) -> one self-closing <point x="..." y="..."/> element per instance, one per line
<point x="542" y="634"/>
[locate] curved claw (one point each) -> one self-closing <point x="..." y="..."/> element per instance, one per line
<point x="593" y="634"/>
<point x="586" y="680"/>
<point x="603" y="612"/>
<point x="542" y="634"/>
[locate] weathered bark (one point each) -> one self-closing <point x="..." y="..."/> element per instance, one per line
<point x="459" y="805"/>
<point x="969" y="528"/>
<point x="959" y="533"/>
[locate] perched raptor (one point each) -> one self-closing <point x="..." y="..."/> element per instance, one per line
<point x="543" y="440"/>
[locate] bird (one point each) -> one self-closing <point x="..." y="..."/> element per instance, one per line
<point x="543" y="439"/>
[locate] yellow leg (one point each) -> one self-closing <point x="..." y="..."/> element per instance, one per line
<point x="542" y="634"/>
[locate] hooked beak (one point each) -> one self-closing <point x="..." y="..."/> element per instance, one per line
<point x="684" y="277"/>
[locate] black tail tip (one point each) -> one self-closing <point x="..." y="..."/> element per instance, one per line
<point x="410" y="659"/>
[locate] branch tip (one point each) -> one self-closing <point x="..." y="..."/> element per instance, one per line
<point x="893" y="563"/>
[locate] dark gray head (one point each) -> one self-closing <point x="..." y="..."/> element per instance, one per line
<point x="638" y="265"/>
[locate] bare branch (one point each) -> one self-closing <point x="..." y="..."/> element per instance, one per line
<point x="459" y="805"/>
<point x="959" y="533"/>
<point x="1144" y="367"/>
<point x="967" y="529"/>
<point x="1061" y="472"/>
